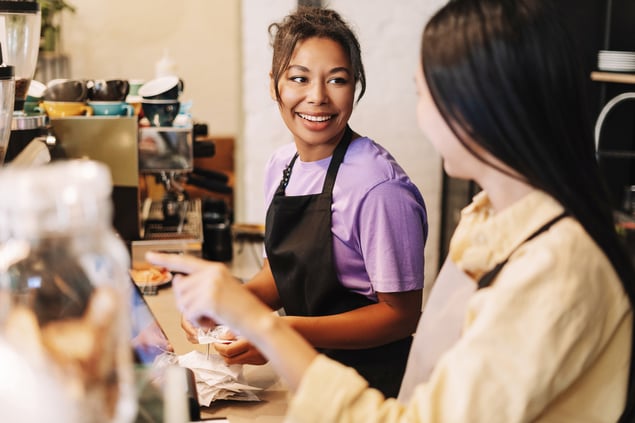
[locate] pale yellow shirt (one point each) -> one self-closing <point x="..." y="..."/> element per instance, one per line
<point x="549" y="341"/>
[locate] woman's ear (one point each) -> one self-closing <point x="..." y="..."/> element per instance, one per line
<point x="272" y="88"/>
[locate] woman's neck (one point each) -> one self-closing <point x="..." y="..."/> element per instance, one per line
<point x="503" y="190"/>
<point x="313" y="153"/>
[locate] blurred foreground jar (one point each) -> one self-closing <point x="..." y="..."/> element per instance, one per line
<point x="64" y="295"/>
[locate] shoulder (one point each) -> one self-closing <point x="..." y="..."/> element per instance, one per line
<point x="281" y="156"/>
<point x="571" y="247"/>
<point x="565" y="263"/>
<point x="274" y="167"/>
<point x="365" y="152"/>
<point x="368" y="164"/>
<point x="278" y="160"/>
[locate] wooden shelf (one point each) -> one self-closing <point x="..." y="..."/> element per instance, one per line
<point x="620" y="78"/>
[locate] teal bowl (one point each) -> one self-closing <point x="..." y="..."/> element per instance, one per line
<point x="111" y="108"/>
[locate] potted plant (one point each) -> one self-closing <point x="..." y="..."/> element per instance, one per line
<point x="51" y="26"/>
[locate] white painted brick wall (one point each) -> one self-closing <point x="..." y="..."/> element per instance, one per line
<point x="389" y="34"/>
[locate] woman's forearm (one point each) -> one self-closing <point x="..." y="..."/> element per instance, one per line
<point x="393" y="318"/>
<point x="288" y="352"/>
<point x="263" y="286"/>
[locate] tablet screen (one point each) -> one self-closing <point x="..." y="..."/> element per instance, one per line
<point x="148" y="338"/>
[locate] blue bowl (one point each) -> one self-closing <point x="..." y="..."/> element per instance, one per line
<point x="111" y="108"/>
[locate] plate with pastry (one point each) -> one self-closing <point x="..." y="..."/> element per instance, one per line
<point x="150" y="275"/>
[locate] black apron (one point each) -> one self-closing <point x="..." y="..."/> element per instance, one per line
<point x="299" y="246"/>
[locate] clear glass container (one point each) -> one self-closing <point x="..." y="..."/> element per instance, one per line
<point x="7" y="94"/>
<point x="65" y="289"/>
<point x="20" y="23"/>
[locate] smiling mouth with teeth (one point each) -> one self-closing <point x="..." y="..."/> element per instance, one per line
<point x="315" y="118"/>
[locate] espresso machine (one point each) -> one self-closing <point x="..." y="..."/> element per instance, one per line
<point x="169" y="221"/>
<point x="159" y="218"/>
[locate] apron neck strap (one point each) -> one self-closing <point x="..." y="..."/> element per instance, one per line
<point x="336" y="160"/>
<point x="487" y="279"/>
<point x="286" y="174"/>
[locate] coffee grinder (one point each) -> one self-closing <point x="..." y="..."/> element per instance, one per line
<point x="20" y="39"/>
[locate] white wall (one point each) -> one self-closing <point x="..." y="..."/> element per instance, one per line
<point x="389" y="33"/>
<point x="125" y="38"/>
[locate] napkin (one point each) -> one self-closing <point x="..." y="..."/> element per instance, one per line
<point x="219" y="334"/>
<point x="216" y="380"/>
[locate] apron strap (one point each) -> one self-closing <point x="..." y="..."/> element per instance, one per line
<point x="286" y="174"/>
<point x="487" y="279"/>
<point x="336" y="160"/>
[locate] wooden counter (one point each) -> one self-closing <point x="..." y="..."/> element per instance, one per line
<point x="274" y="395"/>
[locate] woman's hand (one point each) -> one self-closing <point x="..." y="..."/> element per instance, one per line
<point x="208" y="292"/>
<point x="240" y="351"/>
<point x="191" y="331"/>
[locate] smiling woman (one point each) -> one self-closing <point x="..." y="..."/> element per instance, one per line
<point x="345" y="226"/>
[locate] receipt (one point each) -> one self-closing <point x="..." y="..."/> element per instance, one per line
<point x="218" y="334"/>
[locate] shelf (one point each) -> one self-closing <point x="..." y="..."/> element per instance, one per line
<point x="620" y="78"/>
<point x="616" y="154"/>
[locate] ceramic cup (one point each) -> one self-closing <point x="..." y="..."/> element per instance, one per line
<point x="160" y="112"/>
<point x="59" y="109"/>
<point x="35" y="92"/>
<point x="163" y="88"/>
<point x="111" y="108"/>
<point x="32" y="108"/>
<point x="66" y="90"/>
<point x="110" y="90"/>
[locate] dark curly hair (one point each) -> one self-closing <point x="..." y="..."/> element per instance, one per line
<point x="309" y="22"/>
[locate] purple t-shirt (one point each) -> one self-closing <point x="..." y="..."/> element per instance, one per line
<point x="379" y="221"/>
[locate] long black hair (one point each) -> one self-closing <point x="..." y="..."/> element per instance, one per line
<point x="507" y="74"/>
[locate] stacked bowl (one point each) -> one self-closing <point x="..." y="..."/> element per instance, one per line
<point x="616" y="61"/>
<point x="65" y="97"/>
<point x="107" y="97"/>
<point x="160" y="100"/>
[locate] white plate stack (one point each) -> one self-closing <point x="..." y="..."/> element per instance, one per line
<point x="616" y="61"/>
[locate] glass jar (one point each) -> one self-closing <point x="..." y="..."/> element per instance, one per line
<point x="7" y="94"/>
<point x="65" y="289"/>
